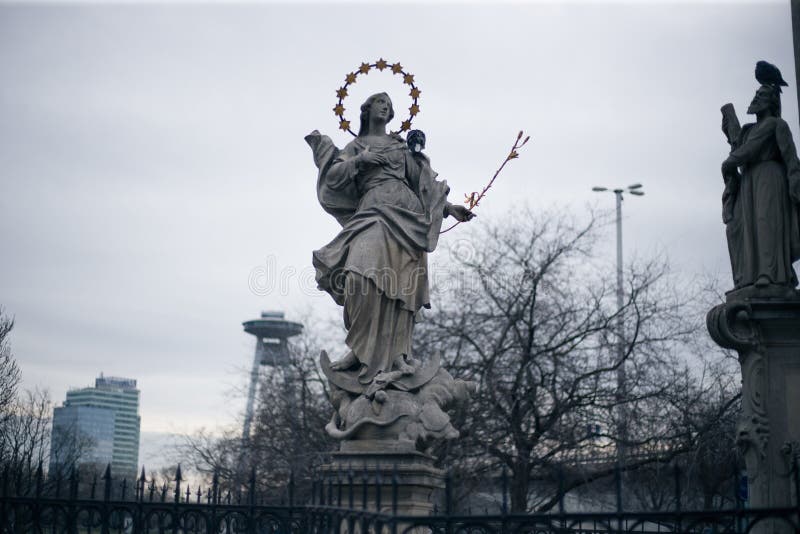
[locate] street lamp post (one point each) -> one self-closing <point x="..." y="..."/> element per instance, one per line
<point x="622" y="430"/>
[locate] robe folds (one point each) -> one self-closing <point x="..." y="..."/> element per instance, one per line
<point x="376" y="267"/>
<point x="764" y="232"/>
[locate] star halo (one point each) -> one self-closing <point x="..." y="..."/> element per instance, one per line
<point x="364" y="69"/>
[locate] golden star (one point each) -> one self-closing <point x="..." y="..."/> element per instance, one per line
<point x="341" y="92"/>
<point x="338" y="110"/>
<point x="350" y="78"/>
<point x="414" y="109"/>
<point x="344" y="125"/>
<point x="405" y="126"/>
<point x="408" y="79"/>
<point x="396" y="68"/>
<point x="364" y="68"/>
<point x="381" y="64"/>
<point x="415" y="93"/>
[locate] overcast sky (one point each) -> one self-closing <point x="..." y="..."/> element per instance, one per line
<point x="152" y="156"/>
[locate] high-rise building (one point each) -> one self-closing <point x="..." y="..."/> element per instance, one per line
<point x="100" y="424"/>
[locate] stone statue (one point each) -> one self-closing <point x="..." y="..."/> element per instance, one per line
<point x="760" y="318"/>
<point x="762" y="192"/>
<point x="382" y="191"/>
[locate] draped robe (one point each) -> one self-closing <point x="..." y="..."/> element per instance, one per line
<point x="764" y="232"/>
<point x="376" y="267"/>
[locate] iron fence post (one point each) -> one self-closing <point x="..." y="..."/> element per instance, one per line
<point x="338" y="488"/>
<point x="4" y="495"/>
<point x="737" y="499"/>
<point x="72" y="515"/>
<point x="291" y="500"/>
<point x="796" y="469"/>
<point x="214" y="494"/>
<point x="678" y="498"/>
<point x="106" y="516"/>
<point x="39" y="480"/>
<point x="313" y="490"/>
<point x="618" y="488"/>
<point x="378" y="490"/>
<point x="138" y="500"/>
<point x="140" y="486"/>
<point x="4" y="483"/>
<point x="395" y="484"/>
<point x="330" y="489"/>
<point x="350" y="500"/>
<point x="178" y="480"/>
<point x="562" y="519"/>
<point x="504" y="506"/>
<point x="364" y="483"/>
<point x="448" y="501"/>
<point x="251" y="501"/>
<point x="38" y="494"/>
<point x="29" y="487"/>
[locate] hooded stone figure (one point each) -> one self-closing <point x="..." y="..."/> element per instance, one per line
<point x="762" y="202"/>
<point x="391" y="207"/>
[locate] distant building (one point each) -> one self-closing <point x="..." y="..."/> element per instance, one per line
<point x="98" y="425"/>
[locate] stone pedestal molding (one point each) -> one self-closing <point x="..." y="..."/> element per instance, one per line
<point x="418" y="481"/>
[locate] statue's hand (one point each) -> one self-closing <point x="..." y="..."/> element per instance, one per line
<point x="371" y="158"/>
<point x="460" y="213"/>
<point x="728" y="167"/>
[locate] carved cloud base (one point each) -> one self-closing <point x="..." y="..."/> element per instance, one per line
<point x="766" y="334"/>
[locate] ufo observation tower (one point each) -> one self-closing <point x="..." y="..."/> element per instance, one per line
<point x="272" y="331"/>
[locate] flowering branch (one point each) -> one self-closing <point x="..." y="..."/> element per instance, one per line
<point x="472" y="199"/>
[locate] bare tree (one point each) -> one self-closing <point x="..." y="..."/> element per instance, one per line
<point x="70" y="448"/>
<point x="533" y="320"/>
<point x="25" y="423"/>
<point x="287" y="436"/>
<point x="9" y="371"/>
<point x="25" y="434"/>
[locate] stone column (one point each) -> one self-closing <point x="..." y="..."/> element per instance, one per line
<point x="766" y="334"/>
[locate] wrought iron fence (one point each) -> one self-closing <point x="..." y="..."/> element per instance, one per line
<point x="103" y="505"/>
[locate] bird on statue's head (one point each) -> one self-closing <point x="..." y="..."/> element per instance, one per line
<point x="769" y="74"/>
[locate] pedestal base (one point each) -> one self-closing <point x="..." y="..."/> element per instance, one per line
<point x="377" y="472"/>
<point x="766" y="334"/>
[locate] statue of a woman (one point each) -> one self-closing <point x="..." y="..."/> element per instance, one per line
<point x="761" y="204"/>
<point x="391" y="207"/>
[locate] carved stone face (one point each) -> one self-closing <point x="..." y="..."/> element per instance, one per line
<point x="761" y="101"/>
<point x="381" y="108"/>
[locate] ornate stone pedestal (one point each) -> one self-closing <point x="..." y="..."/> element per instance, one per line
<point x="374" y="464"/>
<point x="764" y="329"/>
<point x="382" y="424"/>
